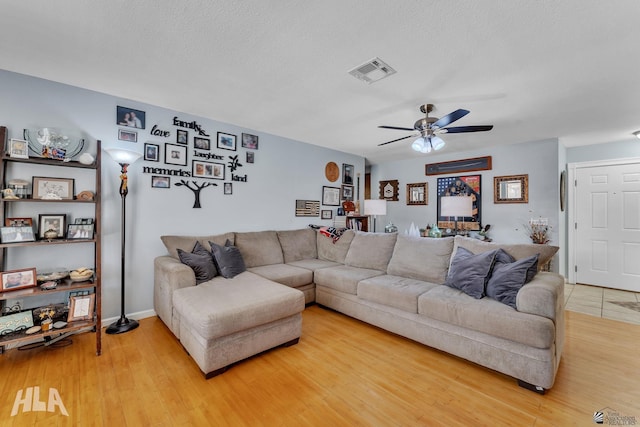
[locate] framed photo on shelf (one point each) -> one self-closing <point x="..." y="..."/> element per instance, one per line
<point x="130" y="117"/>
<point x="53" y="188"/>
<point x="182" y="137"/>
<point x="249" y="141"/>
<point x="18" y="222"/>
<point x="56" y="222"/>
<point x="18" y="148"/>
<point x="15" y="234"/>
<point x="80" y="231"/>
<point x="226" y="141"/>
<point x="158" y="181"/>
<point x="330" y="196"/>
<point x="81" y="307"/>
<point x="151" y="152"/>
<point x="127" y="135"/>
<point x="18" y="279"/>
<point x="175" y="154"/>
<point x="83" y="221"/>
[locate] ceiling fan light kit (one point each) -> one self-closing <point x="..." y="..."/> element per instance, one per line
<point x="430" y="127"/>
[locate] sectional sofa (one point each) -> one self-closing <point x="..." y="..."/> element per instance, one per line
<point x="429" y="290"/>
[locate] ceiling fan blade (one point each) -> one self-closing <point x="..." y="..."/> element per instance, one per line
<point x="461" y="129"/>
<point x="396" y="128"/>
<point x="450" y="118"/>
<point x="396" y="140"/>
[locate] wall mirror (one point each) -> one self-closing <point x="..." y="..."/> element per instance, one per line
<point x="417" y="194"/>
<point x="511" y="189"/>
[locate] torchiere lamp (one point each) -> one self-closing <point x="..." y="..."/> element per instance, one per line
<point x="124" y="158"/>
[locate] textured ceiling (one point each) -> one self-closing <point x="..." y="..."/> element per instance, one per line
<point x="534" y="69"/>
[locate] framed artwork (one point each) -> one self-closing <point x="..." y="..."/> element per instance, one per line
<point x="182" y="136"/>
<point x="228" y="188"/>
<point x="127" y="135"/>
<point x="130" y="117"/>
<point x="330" y="196"/>
<point x="307" y="207"/>
<point x="346" y="192"/>
<point x="81" y="307"/>
<point x="18" y="279"/>
<point x="326" y="214"/>
<point x="250" y="157"/>
<point x="18" y="148"/>
<point x="417" y="194"/>
<point x="175" y="154"/>
<point x="249" y="141"/>
<point x="469" y="185"/>
<point x="151" y="152"/>
<point x="347" y="174"/>
<point x="511" y="189"/>
<point x="201" y="143"/>
<point x="209" y="170"/>
<point x="332" y="171"/>
<point x="48" y="222"/>
<point x="158" y="181"/>
<point x="226" y="141"/>
<point x="53" y="188"/>
<point x="80" y="231"/>
<point x="458" y="166"/>
<point x="389" y="190"/>
<point x="83" y="221"/>
<point x="17" y="234"/>
<point x="18" y="222"/>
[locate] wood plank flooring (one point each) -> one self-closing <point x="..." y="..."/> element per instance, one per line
<point x="342" y="373"/>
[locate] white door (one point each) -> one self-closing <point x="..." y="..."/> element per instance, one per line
<point x="608" y="226"/>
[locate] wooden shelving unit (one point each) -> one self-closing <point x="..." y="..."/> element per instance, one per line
<point x="358" y="222"/>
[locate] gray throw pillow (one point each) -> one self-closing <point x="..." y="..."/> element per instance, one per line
<point x="469" y="273"/>
<point x="508" y="277"/>
<point x="228" y="259"/>
<point x="201" y="262"/>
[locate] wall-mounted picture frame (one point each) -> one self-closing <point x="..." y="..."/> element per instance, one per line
<point x="18" y="222"/>
<point x="228" y="188"/>
<point x="130" y="117"/>
<point x="53" y="188"/>
<point x="151" y="152"/>
<point x="511" y="189"/>
<point x="326" y="214"/>
<point x="18" y="148"/>
<point x="17" y="234"/>
<point x="175" y="154"/>
<point x="158" y="181"/>
<point x="209" y="170"/>
<point x="330" y="196"/>
<point x="346" y="192"/>
<point x="347" y="174"/>
<point x="468" y="185"/>
<point x="249" y="141"/>
<point x="307" y="207"/>
<point x="81" y="307"/>
<point x="127" y="135"/>
<point x="459" y="166"/>
<point x="417" y="194"/>
<point x="201" y="143"/>
<point x="182" y="136"/>
<point x="388" y="190"/>
<point x="55" y="222"/>
<point x="227" y="141"/>
<point x="251" y="157"/>
<point x="13" y="280"/>
<point x="80" y="231"/>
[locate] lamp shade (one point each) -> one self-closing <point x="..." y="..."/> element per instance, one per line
<point x="456" y="206"/>
<point x="375" y="207"/>
<point x="123" y="156"/>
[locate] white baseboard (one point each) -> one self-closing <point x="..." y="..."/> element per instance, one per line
<point x="136" y="316"/>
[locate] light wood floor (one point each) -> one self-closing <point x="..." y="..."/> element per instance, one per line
<point x="342" y="373"/>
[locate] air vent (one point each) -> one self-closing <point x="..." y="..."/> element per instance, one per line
<point x="372" y="71"/>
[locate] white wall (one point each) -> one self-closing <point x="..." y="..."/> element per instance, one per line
<point x="284" y="170"/>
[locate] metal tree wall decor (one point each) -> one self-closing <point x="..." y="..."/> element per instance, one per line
<point x="196" y="189"/>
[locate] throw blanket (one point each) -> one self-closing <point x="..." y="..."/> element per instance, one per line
<point x="331" y="232"/>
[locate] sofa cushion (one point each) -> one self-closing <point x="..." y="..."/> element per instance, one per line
<point x="469" y="273"/>
<point x="508" y="276"/>
<point x="371" y="250"/>
<point x="486" y="315"/>
<point x="343" y="278"/>
<point x="298" y="244"/>
<point x="186" y="243"/>
<point x="201" y="262"/>
<point x="420" y="258"/>
<point x="228" y="259"/>
<point x="517" y="251"/>
<point x="314" y="264"/>
<point x="394" y="291"/>
<point x="285" y="274"/>
<point x="336" y="252"/>
<point x="259" y="248"/>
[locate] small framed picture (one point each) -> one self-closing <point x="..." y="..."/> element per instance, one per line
<point x="330" y="196"/>
<point x="250" y="157"/>
<point x="18" y="279"/>
<point x="182" y="137"/>
<point x="17" y="234"/>
<point x="83" y="221"/>
<point x="80" y="231"/>
<point x="249" y="141"/>
<point x="226" y="141"/>
<point x="347" y="174"/>
<point x="18" y="148"/>
<point x="158" y="181"/>
<point x="130" y="117"/>
<point x="53" y="188"/>
<point x="151" y="152"/>
<point x="201" y="143"/>
<point x="127" y="135"/>
<point x="210" y="170"/>
<point x="81" y="307"/>
<point x="346" y="192"/>
<point x="18" y="222"/>
<point x="326" y="214"/>
<point x="175" y="154"/>
<point x="228" y="188"/>
<point x="47" y="222"/>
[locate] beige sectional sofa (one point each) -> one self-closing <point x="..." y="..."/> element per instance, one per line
<point x="391" y="281"/>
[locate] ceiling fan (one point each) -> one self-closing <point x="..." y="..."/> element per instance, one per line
<point x="431" y="127"/>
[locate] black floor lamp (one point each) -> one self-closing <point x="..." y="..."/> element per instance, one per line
<point x="124" y="158"/>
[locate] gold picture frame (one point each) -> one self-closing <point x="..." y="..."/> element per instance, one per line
<point x="417" y="194"/>
<point x="511" y="189"/>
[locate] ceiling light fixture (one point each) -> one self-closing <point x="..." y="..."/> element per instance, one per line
<point x="637" y="134"/>
<point x="424" y="144"/>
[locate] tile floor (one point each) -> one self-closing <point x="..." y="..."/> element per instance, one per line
<point x="603" y="302"/>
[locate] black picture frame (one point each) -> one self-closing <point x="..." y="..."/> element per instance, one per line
<point x="80" y="231"/>
<point x="228" y="188"/>
<point x="326" y="214"/>
<point x="182" y="136"/>
<point x="347" y="174"/>
<point x="57" y="222"/>
<point x="159" y="181"/>
<point x="250" y="157"/>
<point x="175" y="154"/>
<point x="227" y="141"/>
<point x="201" y="143"/>
<point x="151" y="152"/>
<point x="130" y="117"/>
<point x="249" y="141"/>
<point x="207" y="170"/>
<point x="127" y="135"/>
<point x="330" y="196"/>
<point x="346" y="192"/>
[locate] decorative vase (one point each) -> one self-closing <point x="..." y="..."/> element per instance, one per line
<point x="435" y="231"/>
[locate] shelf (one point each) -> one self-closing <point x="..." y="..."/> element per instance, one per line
<point x="47" y="242"/>
<point x="49" y="162"/>
<point x="23" y="337"/>
<point x="63" y="287"/>
<point x="47" y="201"/>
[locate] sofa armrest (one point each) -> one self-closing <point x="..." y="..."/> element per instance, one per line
<point x="543" y="296"/>
<point x="169" y="274"/>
